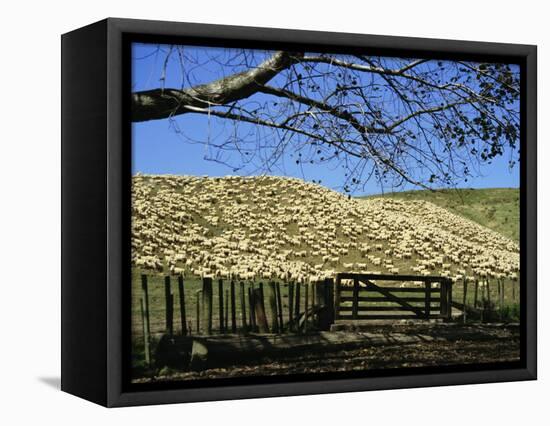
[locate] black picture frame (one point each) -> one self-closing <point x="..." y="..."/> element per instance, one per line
<point x="95" y="213"/>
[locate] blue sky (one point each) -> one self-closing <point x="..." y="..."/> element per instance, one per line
<point x="168" y="147"/>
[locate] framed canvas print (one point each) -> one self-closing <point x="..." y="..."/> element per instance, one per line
<point x="251" y="212"/>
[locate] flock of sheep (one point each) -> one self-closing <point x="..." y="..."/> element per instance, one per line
<point x="253" y="228"/>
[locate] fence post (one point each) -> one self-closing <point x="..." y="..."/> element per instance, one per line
<point x="207" y="304"/>
<point x="442" y="299"/>
<point x="428" y="297"/>
<point x="449" y="300"/>
<point x="198" y="295"/>
<point x="233" y="309"/>
<point x="499" y="298"/>
<point x="337" y="297"/>
<point x="313" y="298"/>
<point x="220" y="302"/>
<point x="145" y="334"/>
<point x="306" y="304"/>
<point x="483" y="304"/>
<point x="502" y="293"/>
<point x="329" y="299"/>
<point x="252" y="305"/>
<point x="169" y="306"/>
<point x="325" y="304"/>
<point x="279" y="306"/>
<point x="290" y="305"/>
<point x="489" y="314"/>
<point x="297" y="303"/>
<point x="464" y="298"/>
<point x="145" y="296"/>
<point x="183" y="318"/>
<point x="261" y="289"/>
<point x="226" y="320"/>
<point x="476" y="289"/>
<point x="273" y="307"/>
<point x="243" y="306"/>
<point x="355" y="303"/>
<point x="259" y="310"/>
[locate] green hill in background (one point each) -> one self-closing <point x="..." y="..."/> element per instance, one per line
<point x="494" y="208"/>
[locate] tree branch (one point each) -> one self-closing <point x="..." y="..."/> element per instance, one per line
<point x="163" y="103"/>
<point x="342" y="114"/>
<point x="357" y="67"/>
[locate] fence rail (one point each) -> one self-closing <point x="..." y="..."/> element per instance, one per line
<point x="368" y="296"/>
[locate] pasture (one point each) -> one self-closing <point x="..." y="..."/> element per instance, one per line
<point x="267" y="231"/>
<point x="288" y="229"/>
<point x="494" y="208"/>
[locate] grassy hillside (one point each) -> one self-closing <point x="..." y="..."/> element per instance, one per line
<point x="494" y="208"/>
<point x="288" y="229"/>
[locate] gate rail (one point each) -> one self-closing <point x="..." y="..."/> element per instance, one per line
<point x="431" y="301"/>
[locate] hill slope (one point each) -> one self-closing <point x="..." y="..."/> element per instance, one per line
<point x="288" y="229"/>
<point x="495" y="208"/>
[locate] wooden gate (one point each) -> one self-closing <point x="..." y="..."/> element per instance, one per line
<point x="366" y="298"/>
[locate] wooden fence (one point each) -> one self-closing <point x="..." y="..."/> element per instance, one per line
<point x="215" y="306"/>
<point x="229" y="306"/>
<point x="482" y="299"/>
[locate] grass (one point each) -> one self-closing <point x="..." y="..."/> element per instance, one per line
<point x="494" y="208"/>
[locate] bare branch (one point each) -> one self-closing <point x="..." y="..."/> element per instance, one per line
<point x="163" y="103"/>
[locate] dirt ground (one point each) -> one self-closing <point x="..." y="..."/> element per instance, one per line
<point x="435" y="346"/>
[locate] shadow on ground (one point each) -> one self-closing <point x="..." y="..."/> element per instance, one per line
<point x="54" y="382"/>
